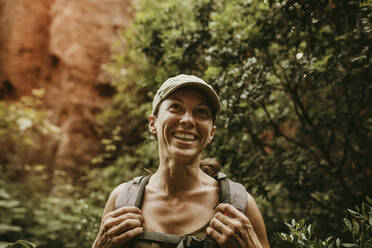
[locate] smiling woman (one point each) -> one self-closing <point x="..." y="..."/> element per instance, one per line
<point x="183" y="125"/>
<point x="179" y="205"/>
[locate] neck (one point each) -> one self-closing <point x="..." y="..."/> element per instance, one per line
<point x="175" y="177"/>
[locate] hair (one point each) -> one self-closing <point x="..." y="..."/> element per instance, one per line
<point x="210" y="166"/>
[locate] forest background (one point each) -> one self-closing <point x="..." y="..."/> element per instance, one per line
<point x="295" y="82"/>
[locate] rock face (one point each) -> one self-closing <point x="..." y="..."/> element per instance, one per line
<point x="60" y="45"/>
<point x="24" y="59"/>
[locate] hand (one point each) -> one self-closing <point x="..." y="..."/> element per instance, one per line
<point x="119" y="226"/>
<point x="231" y="228"/>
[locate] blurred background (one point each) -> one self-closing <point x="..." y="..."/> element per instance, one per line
<point x="76" y="83"/>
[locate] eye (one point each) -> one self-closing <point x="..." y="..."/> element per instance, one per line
<point x="203" y="112"/>
<point x="175" y="107"/>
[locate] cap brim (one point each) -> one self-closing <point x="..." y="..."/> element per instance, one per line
<point x="211" y="94"/>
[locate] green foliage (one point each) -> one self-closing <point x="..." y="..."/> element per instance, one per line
<point x="302" y="235"/>
<point x="360" y="226"/>
<point x="10" y="207"/>
<point x="18" y="243"/>
<point x="37" y="202"/>
<point x="23" y="125"/>
<point x="294" y="79"/>
<point x="64" y="218"/>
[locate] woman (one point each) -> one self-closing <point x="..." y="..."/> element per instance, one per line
<point x="179" y="198"/>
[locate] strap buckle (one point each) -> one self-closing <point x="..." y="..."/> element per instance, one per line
<point x="191" y="242"/>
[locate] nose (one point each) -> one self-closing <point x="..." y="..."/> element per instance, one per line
<point x="187" y="120"/>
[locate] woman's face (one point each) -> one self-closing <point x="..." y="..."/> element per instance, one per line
<point x="184" y="124"/>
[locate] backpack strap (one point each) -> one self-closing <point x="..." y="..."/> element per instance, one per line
<point x="141" y="190"/>
<point x="182" y="241"/>
<point x="238" y="196"/>
<point x="128" y="194"/>
<point x="160" y="237"/>
<point x="232" y="192"/>
<point x="224" y="188"/>
<point x="133" y="194"/>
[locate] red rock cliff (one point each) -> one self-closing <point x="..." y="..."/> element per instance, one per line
<point x="60" y="45"/>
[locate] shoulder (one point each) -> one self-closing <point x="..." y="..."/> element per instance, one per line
<point x="241" y="198"/>
<point x="246" y="203"/>
<point x="251" y="205"/>
<point x="126" y="193"/>
<point x="115" y="195"/>
<point x="238" y="195"/>
<point x="254" y="215"/>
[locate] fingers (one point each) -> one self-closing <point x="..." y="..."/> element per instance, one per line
<point x="233" y="224"/>
<point x="109" y="221"/>
<point x="232" y="217"/>
<point x="231" y="228"/>
<point x="225" y="231"/>
<point x="124" y="226"/>
<point x="125" y="231"/>
<point x="229" y="210"/>
<point x="119" y="226"/>
<point x="115" y="226"/>
<point x="124" y="210"/>
<point x="126" y="236"/>
<point x="119" y="215"/>
<point x="225" y="241"/>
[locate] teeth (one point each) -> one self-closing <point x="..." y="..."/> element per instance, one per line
<point x="185" y="136"/>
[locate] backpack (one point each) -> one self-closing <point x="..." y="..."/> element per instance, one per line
<point x="132" y="195"/>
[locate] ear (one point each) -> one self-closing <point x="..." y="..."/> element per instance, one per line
<point x="212" y="134"/>
<point x="152" y="126"/>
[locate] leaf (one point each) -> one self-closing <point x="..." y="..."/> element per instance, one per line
<point x="284" y="236"/>
<point x="354" y="213"/>
<point x="369" y="200"/>
<point x="338" y="242"/>
<point x="9" y="204"/>
<point x="303" y="236"/>
<point x="4" y="228"/>
<point x="5" y="245"/>
<point x="25" y="243"/>
<point x="348" y="224"/>
<point x="349" y="245"/>
<point x="4" y="194"/>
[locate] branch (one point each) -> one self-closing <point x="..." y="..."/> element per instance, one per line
<point x="280" y="133"/>
<point x="314" y="132"/>
<point x="257" y="140"/>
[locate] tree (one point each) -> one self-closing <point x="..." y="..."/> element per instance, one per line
<point x="37" y="202"/>
<point x="294" y="79"/>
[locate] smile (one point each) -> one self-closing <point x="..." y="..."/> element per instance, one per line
<point x="184" y="136"/>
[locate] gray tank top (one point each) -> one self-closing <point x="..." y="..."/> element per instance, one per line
<point x="132" y="195"/>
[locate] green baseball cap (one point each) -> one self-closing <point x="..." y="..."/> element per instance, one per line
<point x="174" y="83"/>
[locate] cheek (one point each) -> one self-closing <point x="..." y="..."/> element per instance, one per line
<point x="209" y="131"/>
<point x="163" y="125"/>
<point x="211" y="134"/>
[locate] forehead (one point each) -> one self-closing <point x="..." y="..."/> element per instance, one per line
<point x="192" y="94"/>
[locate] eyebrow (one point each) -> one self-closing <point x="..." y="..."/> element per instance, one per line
<point x="176" y="98"/>
<point x="202" y="103"/>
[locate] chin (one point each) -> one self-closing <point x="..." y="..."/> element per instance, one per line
<point x="185" y="155"/>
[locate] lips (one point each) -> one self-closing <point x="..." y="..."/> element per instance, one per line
<point x="184" y="136"/>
